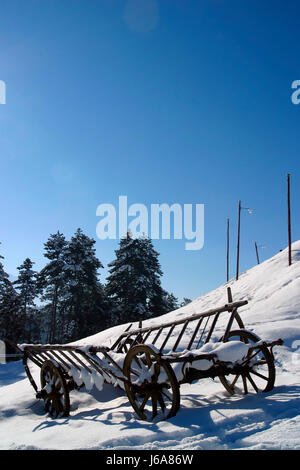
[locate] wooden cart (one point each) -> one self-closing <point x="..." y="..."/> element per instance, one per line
<point x="151" y="363"/>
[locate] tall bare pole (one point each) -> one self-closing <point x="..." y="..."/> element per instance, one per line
<point x="238" y="243"/>
<point x="289" y="219"/>
<point x="227" y="250"/>
<point x="257" y="257"/>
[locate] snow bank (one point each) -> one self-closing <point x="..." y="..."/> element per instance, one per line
<point x="208" y="417"/>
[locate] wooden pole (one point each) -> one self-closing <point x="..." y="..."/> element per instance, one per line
<point x="257" y="257"/>
<point x="229" y="295"/>
<point x="227" y="250"/>
<point x="289" y="219"/>
<point x="238" y="243"/>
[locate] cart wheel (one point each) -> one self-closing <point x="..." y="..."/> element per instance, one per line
<point x="152" y="387"/>
<point x="258" y="375"/>
<point x="54" y="391"/>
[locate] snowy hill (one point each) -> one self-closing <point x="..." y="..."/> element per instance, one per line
<point x="208" y="418"/>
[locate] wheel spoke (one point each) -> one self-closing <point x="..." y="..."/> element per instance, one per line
<point x="259" y="375"/>
<point x="134" y="373"/>
<point x="252" y="382"/>
<point x="137" y="362"/>
<point x="148" y="359"/>
<point x="234" y="381"/>
<point x="141" y="408"/>
<point x="157" y="371"/>
<point x="161" y="402"/>
<point x="51" y="409"/>
<point x="245" y="384"/>
<point x="154" y="404"/>
<point x="252" y="355"/>
<point x="259" y="363"/>
<point x="169" y="397"/>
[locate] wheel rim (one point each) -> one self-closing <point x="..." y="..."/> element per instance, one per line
<point x="152" y="387"/>
<point x="54" y="391"/>
<point x="258" y="376"/>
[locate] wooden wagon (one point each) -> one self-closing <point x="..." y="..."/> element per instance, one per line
<point x="151" y="363"/>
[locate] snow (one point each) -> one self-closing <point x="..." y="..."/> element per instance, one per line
<point x="208" y="418"/>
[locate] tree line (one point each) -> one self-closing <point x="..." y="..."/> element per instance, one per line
<point x="66" y="301"/>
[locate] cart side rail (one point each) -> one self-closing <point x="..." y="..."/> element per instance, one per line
<point x="74" y="362"/>
<point x="200" y="333"/>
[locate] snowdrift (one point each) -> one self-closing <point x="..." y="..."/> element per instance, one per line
<point x="208" y="417"/>
<point x="272" y="289"/>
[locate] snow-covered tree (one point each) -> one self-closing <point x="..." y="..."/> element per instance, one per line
<point x="51" y="280"/>
<point x="185" y="302"/>
<point x="171" y="302"/>
<point x="83" y="298"/>
<point x="11" y="321"/>
<point x="26" y="286"/>
<point x="134" y="281"/>
<point x="74" y="303"/>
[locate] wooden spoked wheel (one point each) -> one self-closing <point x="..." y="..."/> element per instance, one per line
<point x="54" y="391"/>
<point x="151" y="385"/>
<point x="257" y="372"/>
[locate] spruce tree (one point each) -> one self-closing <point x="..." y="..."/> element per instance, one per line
<point x="185" y="302"/>
<point x="84" y="297"/>
<point x="11" y="321"/>
<point x="26" y="285"/>
<point x="134" y="281"/>
<point x="171" y="302"/>
<point x="51" y="281"/>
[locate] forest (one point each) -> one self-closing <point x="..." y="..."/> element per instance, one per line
<point x="66" y="300"/>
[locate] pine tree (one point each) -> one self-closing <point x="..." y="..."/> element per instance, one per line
<point x="51" y="281"/>
<point x="84" y="296"/>
<point x="11" y="321"/>
<point x="134" y="281"/>
<point x="171" y="302"/>
<point x="185" y="302"/>
<point x="26" y="285"/>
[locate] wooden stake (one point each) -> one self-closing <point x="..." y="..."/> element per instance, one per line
<point x="257" y="257"/>
<point x="238" y="243"/>
<point x="227" y="250"/>
<point x="289" y="219"/>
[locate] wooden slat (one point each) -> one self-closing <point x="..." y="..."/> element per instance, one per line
<point x="180" y="336"/>
<point x="60" y="359"/>
<point x="64" y="354"/>
<point x="195" y="333"/>
<point x="120" y="337"/>
<point x="212" y="327"/>
<point x="80" y="361"/>
<point x="229" y="325"/>
<point x="167" y="337"/>
<point x="202" y="332"/>
<point x="157" y="336"/>
<point x="146" y="336"/>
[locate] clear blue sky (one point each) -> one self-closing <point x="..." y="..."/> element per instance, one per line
<point x="162" y="101"/>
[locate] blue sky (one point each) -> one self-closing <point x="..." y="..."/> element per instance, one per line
<point x="165" y="101"/>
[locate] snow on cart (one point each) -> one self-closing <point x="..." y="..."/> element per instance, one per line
<point x="151" y="363"/>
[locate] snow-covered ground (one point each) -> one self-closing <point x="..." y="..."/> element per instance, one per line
<point x="208" y="417"/>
